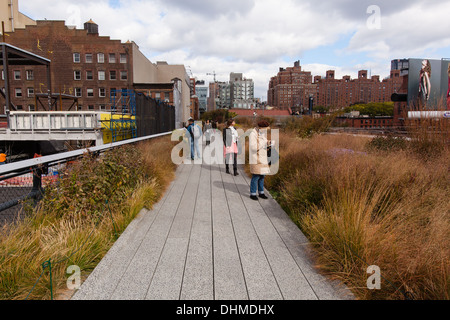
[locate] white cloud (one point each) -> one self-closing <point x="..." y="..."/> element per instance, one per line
<point x="256" y="37"/>
<point x="414" y="30"/>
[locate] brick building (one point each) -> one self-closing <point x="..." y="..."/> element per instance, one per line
<point x="292" y="88"/>
<point x="340" y="93"/>
<point x="84" y="65"/>
<point x="360" y="122"/>
<point x="214" y="94"/>
<point x="88" y="67"/>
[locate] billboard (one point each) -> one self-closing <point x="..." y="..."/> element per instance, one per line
<point x="428" y="84"/>
<point x="446" y="81"/>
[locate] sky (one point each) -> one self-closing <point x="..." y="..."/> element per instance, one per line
<point x="257" y="37"/>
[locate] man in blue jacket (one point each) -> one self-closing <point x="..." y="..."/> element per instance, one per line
<point x="196" y="135"/>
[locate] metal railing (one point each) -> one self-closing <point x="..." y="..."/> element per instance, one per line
<point x="26" y="180"/>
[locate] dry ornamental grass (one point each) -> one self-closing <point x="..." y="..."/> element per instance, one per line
<point x="361" y="206"/>
<point x="75" y="225"/>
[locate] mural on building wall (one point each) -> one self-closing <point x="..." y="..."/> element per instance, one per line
<point x="428" y="84"/>
<point x="446" y="81"/>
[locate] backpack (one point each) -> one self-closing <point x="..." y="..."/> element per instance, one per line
<point x="196" y="131"/>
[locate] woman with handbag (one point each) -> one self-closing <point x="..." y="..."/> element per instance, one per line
<point x="230" y="141"/>
<point x="259" y="162"/>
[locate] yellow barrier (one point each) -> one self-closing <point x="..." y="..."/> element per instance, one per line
<point x="122" y="126"/>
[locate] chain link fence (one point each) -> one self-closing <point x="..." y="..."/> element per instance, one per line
<point x="21" y="192"/>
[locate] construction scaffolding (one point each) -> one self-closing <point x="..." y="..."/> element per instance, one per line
<point x="120" y="124"/>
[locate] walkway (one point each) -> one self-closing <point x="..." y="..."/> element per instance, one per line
<point x="207" y="240"/>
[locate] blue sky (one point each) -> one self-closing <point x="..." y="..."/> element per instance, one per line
<point x="257" y="37"/>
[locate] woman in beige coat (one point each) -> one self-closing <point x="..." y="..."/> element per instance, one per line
<point x="259" y="163"/>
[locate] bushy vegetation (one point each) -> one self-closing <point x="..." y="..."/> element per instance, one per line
<point x="378" y="202"/>
<point x="322" y="109"/>
<point x="306" y="127"/>
<point x="93" y="203"/>
<point x="220" y="115"/>
<point x="373" y="109"/>
<point x="388" y="143"/>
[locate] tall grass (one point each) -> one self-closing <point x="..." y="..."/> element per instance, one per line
<point x="361" y="205"/>
<point x="74" y="217"/>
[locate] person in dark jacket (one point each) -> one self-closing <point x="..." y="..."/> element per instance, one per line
<point x="230" y="141"/>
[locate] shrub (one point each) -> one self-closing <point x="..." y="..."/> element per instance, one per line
<point x="74" y="216"/>
<point x="221" y="115"/>
<point x="386" y="208"/>
<point x="306" y="127"/>
<point x="388" y="143"/>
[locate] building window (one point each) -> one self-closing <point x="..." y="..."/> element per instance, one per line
<point x="17" y="75"/>
<point x="102" y="107"/>
<point x="76" y="57"/>
<point x="102" y="92"/>
<point x="101" y="58"/>
<point x="89" y="75"/>
<point x="112" y="75"/>
<point x="88" y="57"/>
<point x="80" y="107"/>
<point x="30" y="75"/>
<point x="112" y="58"/>
<point x="78" y="92"/>
<point x="101" y="76"/>
<point x="90" y="107"/>
<point x="158" y="96"/>
<point x="30" y="92"/>
<point x="77" y="75"/>
<point x="19" y="108"/>
<point x="123" y="58"/>
<point x="31" y="107"/>
<point x="123" y="75"/>
<point x="90" y="92"/>
<point x="18" y="92"/>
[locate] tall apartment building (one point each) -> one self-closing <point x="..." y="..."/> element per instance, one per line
<point x="90" y="67"/>
<point x="224" y="95"/>
<point x="400" y="64"/>
<point x="214" y="93"/>
<point x="238" y="93"/>
<point x="293" y="88"/>
<point x="242" y="92"/>
<point x="202" y="94"/>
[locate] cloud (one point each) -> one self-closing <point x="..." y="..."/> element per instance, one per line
<point x="256" y="37"/>
<point x="413" y="30"/>
<point x="210" y="9"/>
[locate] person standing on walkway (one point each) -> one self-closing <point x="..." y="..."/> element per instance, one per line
<point x="259" y="162"/>
<point x="207" y="132"/>
<point x="195" y="138"/>
<point x="230" y="141"/>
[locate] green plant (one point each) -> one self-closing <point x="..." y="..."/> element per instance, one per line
<point x="74" y="224"/>
<point x="220" y="115"/>
<point x="306" y="127"/>
<point x="373" y="109"/>
<point x="388" y="143"/>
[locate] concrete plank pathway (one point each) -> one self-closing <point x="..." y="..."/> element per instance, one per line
<point x="207" y="240"/>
